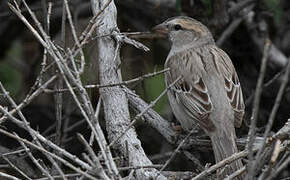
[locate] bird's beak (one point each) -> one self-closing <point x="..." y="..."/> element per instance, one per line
<point x="161" y="29"/>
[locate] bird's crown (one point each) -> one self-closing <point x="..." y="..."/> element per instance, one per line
<point x="187" y="23"/>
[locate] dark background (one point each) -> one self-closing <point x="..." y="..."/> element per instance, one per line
<point x="21" y="56"/>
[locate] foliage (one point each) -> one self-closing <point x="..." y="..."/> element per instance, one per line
<point x="275" y="7"/>
<point x="9" y="76"/>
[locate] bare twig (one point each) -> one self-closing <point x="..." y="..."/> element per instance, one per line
<point x="73" y="30"/>
<point x="138" y="116"/>
<point x="28" y="99"/>
<point x="16" y="168"/>
<point x="276" y="152"/>
<point x="67" y="75"/>
<point x="140" y="78"/>
<point x="273" y="160"/>
<point x="96" y="162"/>
<point x="190" y="156"/>
<point x="31" y="132"/>
<point x="151" y="117"/>
<point x="230" y="29"/>
<point x="273" y="112"/>
<point x="176" y="150"/>
<point x="2" y="174"/>
<point x="34" y="160"/>
<point x="178" y="174"/>
<point x="48" y="153"/>
<point x="236" y="174"/>
<point x="125" y="39"/>
<point x="278" y="171"/>
<point x="284" y="132"/>
<point x="140" y="167"/>
<point x="72" y="175"/>
<point x="256" y="105"/>
<point x="43" y="139"/>
<point x="239" y="155"/>
<point x="222" y="163"/>
<point x="44" y="59"/>
<point x="267" y="84"/>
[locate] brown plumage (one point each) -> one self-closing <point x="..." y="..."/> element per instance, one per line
<point x="209" y="92"/>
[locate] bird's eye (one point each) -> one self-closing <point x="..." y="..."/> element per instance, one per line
<point x="177" y="27"/>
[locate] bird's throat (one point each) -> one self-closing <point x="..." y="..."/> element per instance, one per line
<point x="178" y="47"/>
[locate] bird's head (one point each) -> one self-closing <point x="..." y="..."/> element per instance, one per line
<point x="183" y="31"/>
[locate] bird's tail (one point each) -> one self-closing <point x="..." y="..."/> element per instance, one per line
<point x="224" y="145"/>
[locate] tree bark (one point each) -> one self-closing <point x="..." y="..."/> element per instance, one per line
<point x="114" y="98"/>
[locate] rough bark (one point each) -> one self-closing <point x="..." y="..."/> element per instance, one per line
<point x="114" y="98"/>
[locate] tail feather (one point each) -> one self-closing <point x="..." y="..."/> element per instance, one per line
<point x="224" y="145"/>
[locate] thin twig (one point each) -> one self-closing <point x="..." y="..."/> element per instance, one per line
<point x="87" y="109"/>
<point x="73" y="175"/>
<point x="266" y="85"/>
<point x="140" y="78"/>
<point x="222" y="163"/>
<point x="274" y="111"/>
<point x="144" y="111"/>
<point x="235" y="157"/>
<point x="73" y="30"/>
<point x="97" y="112"/>
<point x="31" y="132"/>
<point x="230" y="29"/>
<point x="2" y="174"/>
<point x="16" y="168"/>
<point x="256" y="105"/>
<point x="34" y="160"/>
<point x="68" y="164"/>
<point x="191" y="157"/>
<point x="44" y="140"/>
<point x="236" y="173"/>
<point x="283" y="166"/>
<point x="98" y="167"/>
<point x="273" y="160"/>
<point x="29" y="98"/>
<point x="176" y="150"/>
<point x="151" y="117"/>
<point x="140" y="167"/>
<point x="44" y="58"/>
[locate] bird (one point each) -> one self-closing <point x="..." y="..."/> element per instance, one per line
<point x="209" y="92"/>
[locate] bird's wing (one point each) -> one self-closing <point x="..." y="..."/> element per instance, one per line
<point x="190" y="93"/>
<point x="232" y="84"/>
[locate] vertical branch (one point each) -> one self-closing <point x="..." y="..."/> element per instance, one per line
<point x="30" y="131"/>
<point x="274" y="112"/>
<point x="114" y="98"/>
<point x="256" y="105"/>
<point x="58" y="98"/>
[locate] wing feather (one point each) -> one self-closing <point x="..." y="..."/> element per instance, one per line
<point x="190" y="93"/>
<point x="232" y="84"/>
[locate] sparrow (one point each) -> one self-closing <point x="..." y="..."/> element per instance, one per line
<point x="209" y="93"/>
